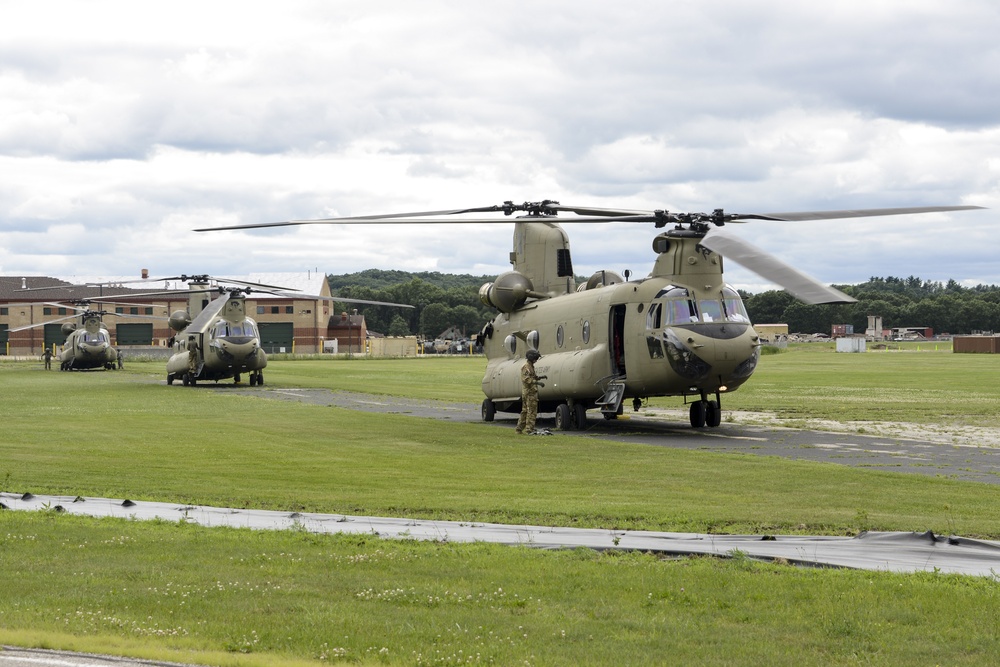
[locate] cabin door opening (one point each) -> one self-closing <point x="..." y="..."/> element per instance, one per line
<point x="617" y="339"/>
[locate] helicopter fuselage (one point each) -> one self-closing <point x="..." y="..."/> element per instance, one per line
<point x="87" y="347"/>
<point x="645" y="338"/>
<point x="225" y="344"/>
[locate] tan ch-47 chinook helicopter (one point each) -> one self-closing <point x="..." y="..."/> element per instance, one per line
<point x="680" y="331"/>
<point x="88" y="344"/>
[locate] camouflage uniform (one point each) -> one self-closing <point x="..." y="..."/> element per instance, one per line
<point x="529" y="399"/>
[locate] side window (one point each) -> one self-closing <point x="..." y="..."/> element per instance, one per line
<point x="532" y="340"/>
<point x="586" y="332"/>
<point x="560" y="336"/>
<point x="653" y="316"/>
<point x="510" y="344"/>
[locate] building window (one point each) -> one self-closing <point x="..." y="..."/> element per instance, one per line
<point x="260" y="310"/>
<point x="119" y="310"/>
<point x="133" y="311"/>
<point x="290" y="310"/>
<point x="46" y="311"/>
<point x="149" y="310"/>
<point x="274" y="310"/>
<point x="4" y="311"/>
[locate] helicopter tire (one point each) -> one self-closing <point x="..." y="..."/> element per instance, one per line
<point x="563" y="417"/>
<point x="699" y="410"/>
<point x="170" y="378"/>
<point x="610" y="416"/>
<point x="260" y="378"/>
<point x="489" y="410"/>
<point x="253" y="379"/>
<point x="713" y="414"/>
<point x="579" y="416"/>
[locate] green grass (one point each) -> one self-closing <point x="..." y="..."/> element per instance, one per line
<point x="925" y="386"/>
<point x="222" y="596"/>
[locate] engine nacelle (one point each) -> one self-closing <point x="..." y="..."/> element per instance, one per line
<point x="603" y="278"/>
<point x="179" y="320"/>
<point x="508" y="292"/>
<point x="67" y="328"/>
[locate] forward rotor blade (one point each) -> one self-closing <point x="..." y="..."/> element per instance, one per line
<point x="42" y="324"/>
<point x="853" y="213"/>
<point x="803" y="287"/>
<point x="209" y="313"/>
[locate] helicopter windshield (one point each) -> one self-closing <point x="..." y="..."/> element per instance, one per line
<point x="224" y="329"/>
<point x="672" y="306"/>
<point x="94" y="337"/>
<point x="733" y="306"/>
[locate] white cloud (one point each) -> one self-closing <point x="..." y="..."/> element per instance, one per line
<point x="140" y="128"/>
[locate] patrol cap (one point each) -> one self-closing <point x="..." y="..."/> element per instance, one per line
<point x="532" y="355"/>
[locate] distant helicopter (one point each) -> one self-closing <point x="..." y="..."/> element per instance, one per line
<point x="215" y="339"/>
<point x="680" y="331"/>
<point x="88" y="344"/>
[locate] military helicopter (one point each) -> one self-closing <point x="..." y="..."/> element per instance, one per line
<point x="88" y="343"/>
<point x="215" y="339"/>
<point x="680" y="331"/>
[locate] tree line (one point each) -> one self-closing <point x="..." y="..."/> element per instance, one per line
<point x="444" y="300"/>
<point x="901" y="302"/>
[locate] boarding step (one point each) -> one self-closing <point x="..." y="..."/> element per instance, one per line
<point x="614" y="393"/>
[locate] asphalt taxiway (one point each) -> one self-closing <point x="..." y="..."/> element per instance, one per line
<point x="959" y="461"/>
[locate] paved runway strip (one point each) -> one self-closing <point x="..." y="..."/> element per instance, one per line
<point x="897" y="552"/>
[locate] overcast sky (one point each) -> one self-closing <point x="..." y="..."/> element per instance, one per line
<point x="124" y="125"/>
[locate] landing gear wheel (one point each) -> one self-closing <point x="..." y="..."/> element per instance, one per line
<point x="698" y="413"/>
<point x="186" y="379"/>
<point x="253" y="379"/>
<point x="579" y="416"/>
<point x="170" y="378"/>
<point x="713" y="414"/>
<point x="563" y="422"/>
<point x="489" y="410"/>
<point x="189" y="380"/>
<point x="260" y="378"/>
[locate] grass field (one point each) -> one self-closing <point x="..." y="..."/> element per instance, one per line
<point x="235" y="597"/>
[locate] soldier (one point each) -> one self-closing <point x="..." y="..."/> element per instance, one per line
<point x="529" y="393"/>
<point x="47" y="356"/>
<point x="192" y="347"/>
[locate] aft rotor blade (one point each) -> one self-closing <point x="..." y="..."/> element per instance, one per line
<point x="369" y="219"/>
<point x="803" y="287"/>
<point x="297" y="295"/>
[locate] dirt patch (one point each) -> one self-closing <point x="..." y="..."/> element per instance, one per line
<point x="961" y="436"/>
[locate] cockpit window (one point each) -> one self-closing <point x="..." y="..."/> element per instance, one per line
<point x="96" y="337"/>
<point x="226" y="329"/>
<point x="733" y="304"/>
<point x="711" y="310"/>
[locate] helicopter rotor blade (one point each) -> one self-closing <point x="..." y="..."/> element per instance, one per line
<point x="803" y="287"/>
<point x="852" y="213"/>
<point x="314" y="297"/>
<point x="42" y="324"/>
<point x="209" y="313"/>
<point x="369" y="219"/>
